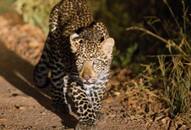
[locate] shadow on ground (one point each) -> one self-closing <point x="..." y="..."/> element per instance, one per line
<point x="18" y="72"/>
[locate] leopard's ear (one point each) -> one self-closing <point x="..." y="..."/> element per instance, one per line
<point x="73" y="42"/>
<point x="107" y="46"/>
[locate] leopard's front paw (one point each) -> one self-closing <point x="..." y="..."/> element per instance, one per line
<point x="41" y="83"/>
<point x="89" y="118"/>
<point x="40" y="80"/>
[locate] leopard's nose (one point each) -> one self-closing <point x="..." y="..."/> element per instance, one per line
<point x="86" y="77"/>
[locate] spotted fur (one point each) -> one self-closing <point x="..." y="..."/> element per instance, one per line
<point x="75" y="61"/>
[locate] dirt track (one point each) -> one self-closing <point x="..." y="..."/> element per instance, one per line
<point x="24" y="107"/>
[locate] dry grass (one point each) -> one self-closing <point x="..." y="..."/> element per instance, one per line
<point x="173" y="71"/>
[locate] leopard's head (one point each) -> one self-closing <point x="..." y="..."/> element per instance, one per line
<point x="93" y="50"/>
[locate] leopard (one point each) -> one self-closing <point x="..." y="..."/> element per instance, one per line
<point x="75" y="61"/>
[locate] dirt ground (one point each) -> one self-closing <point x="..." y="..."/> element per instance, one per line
<point x="24" y="107"/>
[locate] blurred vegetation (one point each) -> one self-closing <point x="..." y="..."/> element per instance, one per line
<point x="35" y="12"/>
<point x="4" y="4"/>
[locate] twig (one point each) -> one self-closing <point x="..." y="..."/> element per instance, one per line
<point x="147" y="32"/>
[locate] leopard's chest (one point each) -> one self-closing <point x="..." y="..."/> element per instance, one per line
<point x="93" y="92"/>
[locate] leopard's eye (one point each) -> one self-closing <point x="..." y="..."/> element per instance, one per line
<point x="97" y="62"/>
<point x="80" y="41"/>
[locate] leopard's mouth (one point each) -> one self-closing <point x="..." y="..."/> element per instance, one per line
<point x="89" y="82"/>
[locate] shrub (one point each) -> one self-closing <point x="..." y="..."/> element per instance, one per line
<point x="173" y="70"/>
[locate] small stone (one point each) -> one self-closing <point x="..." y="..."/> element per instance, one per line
<point x="43" y="113"/>
<point x="34" y="44"/>
<point x="54" y="126"/>
<point x="19" y="107"/>
<point x="14" y="94"/>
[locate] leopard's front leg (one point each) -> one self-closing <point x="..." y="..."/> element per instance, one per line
<point x="97" y="95"/>
<point x="41" y="70"/>
<point x="82" y="103"/>
<point x="58" y="83"/>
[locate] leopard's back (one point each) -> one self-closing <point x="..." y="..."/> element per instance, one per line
<point x="68" y="16"/>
